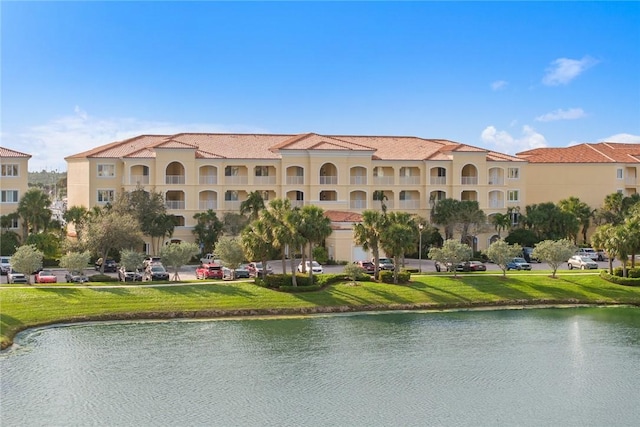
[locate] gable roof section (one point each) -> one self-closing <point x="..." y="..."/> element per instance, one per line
<point x="602" y="152"/>
<point x="9" y="153"/>
<point x="342" y="216"/>
<point x="313" y="141"/>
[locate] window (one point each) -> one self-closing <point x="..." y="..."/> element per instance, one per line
<point x="9" y="196"/>
<point x="231" y="196"/>
<point x="619" y="173"/>
<point x="106" y="196"/>
<point x="513" y="196"/>
<point x="515" y="216"/>
<point x="262" y="170"/>
<point x="106" y="171"/>
<point x="513" y="173"/>
<point x="231" y="171"/>
<point x="10" y="170"/>
<point x="14" y="222"/>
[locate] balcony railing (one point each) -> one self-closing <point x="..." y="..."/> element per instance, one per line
<point x="174" y="179"/>
<point x="295" y="180"/>
<point x="438" y="180"/>
<point x="208" y="204"/>
<point x="297" y="203"/>
<point x="358" y="204"/>
<point x="409" y="180"/>
<point x="496" y="180"/>
<point x="469" y="180"/>
<point x="264" y="180"/>
<point x="496" y="203"/>
<point x="208" y="180"/>
<point x="236" y="180"/>
<point x="139" y="180"/>
<point x="232" y="205"/>
<point x="630" y="180"/>
<point x="328" y="180"/>
<point x="383" y="180"/>
<point x="174" y="204"/>
<point x="409" y="204"/>
<point x="358" y="180"/>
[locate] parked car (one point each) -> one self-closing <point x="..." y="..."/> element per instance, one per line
<point x="385" y="264"/>
<point x="581" y="262"/>
<point x="443" y="267"/>
<point x="110" y="265"/>
<point x="5" y="264"/>
<point x="150" y="260"/>
<point x="518" y="263"/>
<point x="367" y="266"/>
<point x="471" y="266"/>
<point x="315" y="266"/>
<point x="75" y="277"/>
<point x="45" y="276"/>
<point x="527" y="254"/>
<point x="16" y="277"/>
<point x="588" y="252"/>
<point x="129" y="275"/>
<point x="156" y="272"/>
<point x="255" y="269"/>
<point x="602" y="255"/>
<point x="209" y="271"/>
<point x="242" y="272"/>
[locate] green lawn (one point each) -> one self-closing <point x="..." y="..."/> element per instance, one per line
<point x="22" y="308"/>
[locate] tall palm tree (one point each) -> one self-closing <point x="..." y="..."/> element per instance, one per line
<point x="315" y="227"/>
<point x="398" y="237"/>
<point x="34" y="210"/>
<point x="444" y="214"/>
<point x="78" y="216"/>
<point x="367" y="234"/>
<point x="253" y="205"/>
<point x="500" y="222"/>
<point x="256" y="242"/>
<point x="276" y="218"/>
<point x="581" y="211"/>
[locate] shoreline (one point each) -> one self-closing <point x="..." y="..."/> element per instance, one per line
<point x="246" y="314"/>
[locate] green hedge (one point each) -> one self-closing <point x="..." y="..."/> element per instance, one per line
<point x="618" y="280"/>
<point x="102" y="278"/>
<point x="404" y="276"/>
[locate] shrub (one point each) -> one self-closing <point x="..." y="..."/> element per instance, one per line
<point x="625" y="281"/>
<point x="277" y="281"/>
<point x="404" y="276"/>
<point x="633" y="273"/>
<point x="102" y="278"/>
<point x="320" y="254"/>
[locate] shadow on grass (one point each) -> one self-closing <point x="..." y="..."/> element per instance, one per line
<point x="204" y="290"/>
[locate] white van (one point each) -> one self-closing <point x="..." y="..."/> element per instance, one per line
<point x="588" y="252"/>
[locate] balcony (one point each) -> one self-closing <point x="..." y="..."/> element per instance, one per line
<point x="469" y="180"/>
<point x="438" y="180"/>
<point x="264" y="180"/>
<point x="496" y="180"/>
<point x="295" y="180"/>
<point x="208" y="204"/>
<point x="236" y="180"/>
<point x="358" y="204"/>
<point x="232" y="205"/>
<point x="208" y="180"/>
<point x="175" y="204"/>
<point x="139" y="179"/>
<point x="328" y="180"/>
<point x="496" y="203"/>
<point x="174" y="179"/>
<point x="383" y="180"/>
<point x="630" y="181"/>
<point x="409" y="180"/>
<point x="358" y="180"/>
<point x="409" y="204"/>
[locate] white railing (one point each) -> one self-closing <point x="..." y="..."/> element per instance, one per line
<point x="264" y="180"/>
<point x="208" y="180"/>
<point x="630" y="180"/>
<point x="232" y="205"/>
<point x="383" y="180"/>
<point x="208" y="204"/>
<point x="409" y="180"/>
<point x="174" y="204"/>
<point x="328" y="179"/>
<point x="297" y="203"/>
<point x="469" y="180"/>
<point x="174" y="179"/>
<point x="377" y="204"/>
<point x="139" y="180"/>
<point x="358" y="204"/>
<point x="358" y="180"/>
<point x="438" y="180"/>
<point x="295" y="180"/>
<point x="496" y="203"/>
<point x="409" y="204"/>
<point x="236" y="180"/>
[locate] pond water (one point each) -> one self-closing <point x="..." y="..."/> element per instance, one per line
<point x="568" y="367"/>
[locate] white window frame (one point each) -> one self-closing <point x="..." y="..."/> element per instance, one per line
<point x="15" y="224"/>
<point x="111" y="193"/>
<point x="511" y="194"/>
<point x="4" y="196"/>
<point x="104" y="168"/>
<point x="619" y="173"/>
<point x="10" y="170"/>
<point x="231" y="196"/>
<point x="513" y="173"/>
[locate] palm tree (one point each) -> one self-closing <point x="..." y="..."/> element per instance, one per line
<point x="78" y="215"/>
<point x="468" y="214"/>
<point x="444" y="214"/>
<point x="581" y="211"/>
<point x="276" y="218"/>
<point x="315" y="227"/>
<point x="253" y="205"/>
<point x="34" y="210"/>
<point x="367" y="234"/>
<point x="500" y="222"/>
<point x="398" y="237"/>
<point x="256" y="242"/>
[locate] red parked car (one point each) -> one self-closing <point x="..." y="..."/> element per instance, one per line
<point x="46" y="276"/>
<point x="367" y="266"/>
<point x="209" y="271"/>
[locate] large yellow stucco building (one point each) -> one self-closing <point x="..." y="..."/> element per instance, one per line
<point x="342" y="174"/>
<point x="14" y="178"/>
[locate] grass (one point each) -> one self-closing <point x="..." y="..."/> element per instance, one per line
<point x="25" y="307"/>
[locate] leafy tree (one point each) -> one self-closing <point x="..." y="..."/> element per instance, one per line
<point x="230" y="251"/>
<point x="207" y="230"/>
<point x="367" y="234"/>
<point x="34" y="210"/>
<point x="7" y="220"/>
<point x="253" y="205"/>
<point x="26" y="260"/>
<point x="175" y="255"/>
<point x="75" y="261"/>
<point x="131" y="259"/>
<point x="48" y="243"/>
<point x="9" y="242"/>
<point x="315" y="227"/>
<point x="549" y="222"/>
<point x="501" y="253"/>
<point x="256" y="242"/>
<point x="78" y="216"/>
<point x="554" y="252"/>
<point x="233" y="223"/>
<point x="159" y="229"/>
<point x="353" y="271"/>
<point x="581" y="211"/>
<point x="398" y="236"/>
<point x="522" y="236"/>
<point x="451" y="253"/>
<point x="112" y="231"/>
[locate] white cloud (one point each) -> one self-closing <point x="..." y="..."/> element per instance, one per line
<point x="499" y="84"/>
<point x="560" y="114"/>
<point x="563" y="70"/>
<point x="504" y="142"/>
<point x="51" y="142"/>
<point x="625" y="138"/>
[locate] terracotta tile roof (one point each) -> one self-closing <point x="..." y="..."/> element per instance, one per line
<point x="602" y="152"/>
<point x="7" y="152"/>
<point x="342" y="216"/>
<point x="270" y="146"/>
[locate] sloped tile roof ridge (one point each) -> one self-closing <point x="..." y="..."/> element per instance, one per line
<point x="593" y="147"/>
<point x="204" y="154"/>
<point x="330" y="140"/>
<point x="343" y="216"/>
<point x="291" y="140"/>
<point x="98" y="150"/>
<point x="172" y="142"/>
<point x="8" y="152"/>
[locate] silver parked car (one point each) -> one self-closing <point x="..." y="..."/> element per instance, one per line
<point x="581" y="262"/>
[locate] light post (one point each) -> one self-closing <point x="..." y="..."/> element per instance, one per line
<point x="420" y="227"/>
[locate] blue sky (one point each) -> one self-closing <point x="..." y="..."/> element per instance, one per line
<point x="507" y="76"/>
